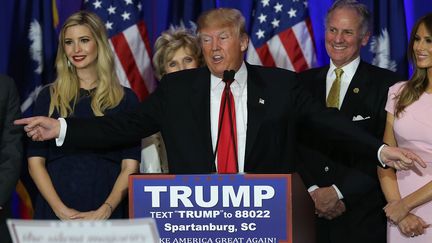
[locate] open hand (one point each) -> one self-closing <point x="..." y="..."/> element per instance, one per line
<point x="400" y="158"/>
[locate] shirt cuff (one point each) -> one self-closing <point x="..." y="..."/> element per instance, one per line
<point x="62" y="134"/>
<point x="340" y="196"/>
<point x="312" y="188"/>
<point x="379" y="157"/>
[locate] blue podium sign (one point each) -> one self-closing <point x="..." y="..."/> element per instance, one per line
<point x="217" y="208"/>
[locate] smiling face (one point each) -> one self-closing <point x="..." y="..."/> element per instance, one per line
<point x="182" y="59"/>
<point x="343" y="36"/>
<point x="223" y="48"/>
<point x="423" y="47"/>
<point x="80" y="46"/>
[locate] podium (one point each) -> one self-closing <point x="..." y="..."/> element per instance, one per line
<point x="303" y="212"/>
<point x="224" y="208"/>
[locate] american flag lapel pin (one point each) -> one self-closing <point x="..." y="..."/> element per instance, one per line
<point x="261" y="101"/>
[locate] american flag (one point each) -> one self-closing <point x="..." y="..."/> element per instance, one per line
<point x="129" y="41"/>
<point x="282" y="35"/>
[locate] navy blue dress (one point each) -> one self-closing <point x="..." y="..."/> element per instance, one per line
<point x="83" y="179"/>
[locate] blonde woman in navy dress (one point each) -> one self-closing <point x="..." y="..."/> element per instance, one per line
<point x="82" y="184"/>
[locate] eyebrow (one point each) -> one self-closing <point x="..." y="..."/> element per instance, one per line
<point x="80" y="37"/>
<point x="220" y="33"/>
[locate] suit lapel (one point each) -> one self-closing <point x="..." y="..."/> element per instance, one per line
<point x="200" y="105"/>
<point x="320" y="82"/>
<point x="256" y="109"/>
<point x="356" y="90"/>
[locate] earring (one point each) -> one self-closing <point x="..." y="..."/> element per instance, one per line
<point x="69" y="63"/>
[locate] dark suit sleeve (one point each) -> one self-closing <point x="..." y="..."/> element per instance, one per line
<point x="307" y="163"/>
<point x="319" y="169"/>
<point x="131" y="101"/>
<point x="118" y="130"/>
<point x="328" y="124"/>
<point x="11" y="139"/>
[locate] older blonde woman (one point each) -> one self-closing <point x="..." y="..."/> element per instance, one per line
<point x="176" y="49"/>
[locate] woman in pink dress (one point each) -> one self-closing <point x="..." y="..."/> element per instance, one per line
<point x="409" y="125"/>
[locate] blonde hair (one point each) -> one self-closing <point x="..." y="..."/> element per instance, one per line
<point x="419" y="81"/>
<point x="223" y="17"/>
<point x="169" y="42"/>
<point x="64" y="90"/>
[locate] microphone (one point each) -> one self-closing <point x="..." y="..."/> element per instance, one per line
<point x="228" y="75"/>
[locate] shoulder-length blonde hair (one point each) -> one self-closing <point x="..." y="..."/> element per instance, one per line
<point x="418" y="83"/>
<point x="64" y="90"/>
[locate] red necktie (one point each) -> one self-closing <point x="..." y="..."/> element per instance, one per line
<point x="227" y="147"/>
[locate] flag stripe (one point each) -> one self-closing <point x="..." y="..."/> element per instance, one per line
<point x="265" y="56"/>
<point x="293" y="49"/>
<point x="139" y="52"/>
<point x="136" y="37"/>
<point x="119" y="69"/>
<point x="124" y="53"/>
<point x="279" y="53"/>
<point x="304" y="39"/>
<point x="310" y="30"/>
<point x="252" y="55"/>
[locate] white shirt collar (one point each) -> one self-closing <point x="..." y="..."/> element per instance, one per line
<point x="240" y="78"/>
<point x="349" y="69"/>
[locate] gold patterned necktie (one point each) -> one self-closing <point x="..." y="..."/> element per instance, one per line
<point x="333" y="96"/>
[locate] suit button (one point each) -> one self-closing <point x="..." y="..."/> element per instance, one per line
<point x="326" y="169"/>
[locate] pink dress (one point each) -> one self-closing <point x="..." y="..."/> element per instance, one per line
<point x="413" y="130"/>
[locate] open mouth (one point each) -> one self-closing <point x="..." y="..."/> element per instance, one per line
<point x="217" y="58"/>
<point x="78" y="58"/>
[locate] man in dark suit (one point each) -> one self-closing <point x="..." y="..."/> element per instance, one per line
<point x="269" y="102"/>
<point x="344" y="186"/>
<point x="10" y="150"/>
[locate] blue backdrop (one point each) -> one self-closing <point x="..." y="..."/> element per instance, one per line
<point x="398" y="16"/>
